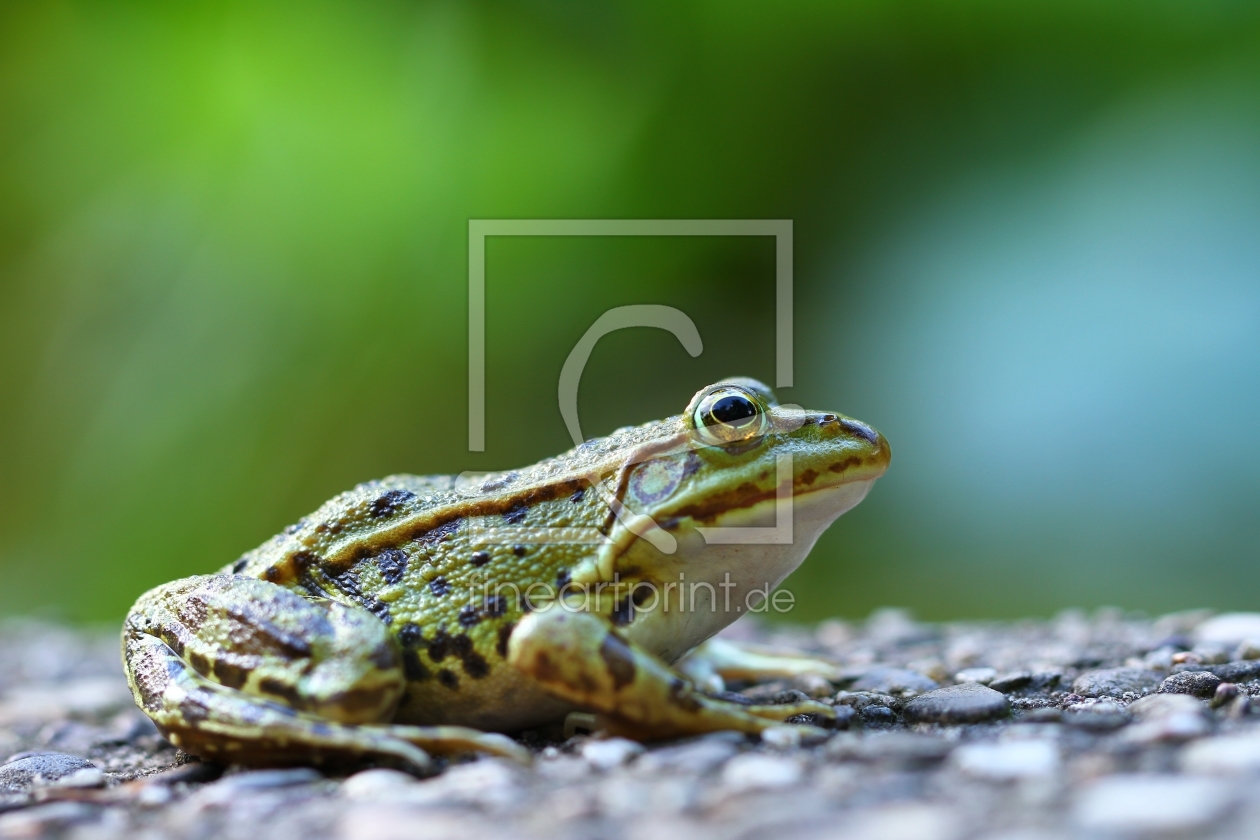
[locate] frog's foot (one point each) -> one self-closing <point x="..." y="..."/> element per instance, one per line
<point x="213" y="721"/>
<point x="580" y="658"/>
<point x="454" y="740"/>
<point x="718" y="660"/>
<point x="241" y="670"/>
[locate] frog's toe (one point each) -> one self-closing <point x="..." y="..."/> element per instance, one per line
<point x="452" y="740"/>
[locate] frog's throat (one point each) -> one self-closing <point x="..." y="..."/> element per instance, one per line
<point x="843" y="497"/>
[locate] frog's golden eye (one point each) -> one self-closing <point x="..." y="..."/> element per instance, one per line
<point x="729" y="414"/>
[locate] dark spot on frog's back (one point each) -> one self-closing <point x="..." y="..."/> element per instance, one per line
<point x="809" y="477"/>
<point x="413" y="669"/>
<point x="447" y="678"/>
<point x="479" y="558"/>
<point x="239" y="566"/>
<point x="387" y="504"/>
<point x="439" y="646"/>
<point x="516" y="516"/>
<point x="618" y="659"/>
<point x="195" y="707"/>
<point x="200" y="663"/>
<point x="847" y="463"/>
<point x="410" y="635"/>
<point x="393" y="564"/>
<point x="439" y="586"/>
<point x="475" y="664"/>
<point x="229" y="673"/>
<point x="438" y="533"/>
<point x="505" y="635"/>
<point x="578" y="495"/>
<point x="276" y="688"/>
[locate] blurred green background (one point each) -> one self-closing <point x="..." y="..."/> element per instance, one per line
<point x="233" y="268"/>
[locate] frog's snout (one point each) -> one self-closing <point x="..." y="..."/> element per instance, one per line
<point x="877" y="453"/>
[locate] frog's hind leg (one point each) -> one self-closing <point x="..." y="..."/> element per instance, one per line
<point x="241" y="670"/>
<point x="718" y="660"/>
<point x="213" y="721"/>
<point x="580" y="658"/>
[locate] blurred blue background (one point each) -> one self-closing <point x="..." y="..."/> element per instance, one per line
<point x="233" y="273"/>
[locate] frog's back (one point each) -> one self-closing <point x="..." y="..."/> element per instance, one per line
<point x="422" y="554"/>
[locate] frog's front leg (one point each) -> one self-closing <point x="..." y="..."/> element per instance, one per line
<point x="244" y="671"/>
<point x="718" y="660"/>
<point x="580" y="658"/>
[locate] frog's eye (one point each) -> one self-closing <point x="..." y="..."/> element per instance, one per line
<point x="729" y="414"/>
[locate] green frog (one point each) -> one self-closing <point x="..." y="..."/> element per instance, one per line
<point x="421" y="615"/>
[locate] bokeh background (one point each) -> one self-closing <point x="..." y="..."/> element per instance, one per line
<point x="233" y="268"/>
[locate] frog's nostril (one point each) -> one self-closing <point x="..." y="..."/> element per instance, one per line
<point x="862" y="430"/>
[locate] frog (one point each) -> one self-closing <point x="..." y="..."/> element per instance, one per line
<point x="419" y="617"/>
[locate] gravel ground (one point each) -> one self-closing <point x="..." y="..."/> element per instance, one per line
<point x="1082" y="726"/>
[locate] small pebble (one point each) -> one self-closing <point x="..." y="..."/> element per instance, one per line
<point x="781" y="737"/>
<point x="894" y="681"/>
<point x="691" y="759"/>
<point x="374" y="783"/>
<point x="1115" y="682"/>
<point x="1225" y="755"/>
<point x="1195" y="683"/>
<point x="755" y="771"/>
<point x="1237" y="672"/>
<point x="966" y="703"/>
<point x="1167" y="718"/>
<point x="1157" y="706"/>
<point x="1011" y="682"/>
<point x="1101" y="716"/>
<point x="84" y="777"/>
<point x="984" y="676"/>
<point x="608" y="753"/>
<point x="1229" y="628"/>
<point x="1007" y="760"/>
<point x="19" y="774"/>
<point x="1248" y="649"/>
<point x="1149" y="804"/>
<point x="1224" y="693"/>
<point x="878" y="715"/>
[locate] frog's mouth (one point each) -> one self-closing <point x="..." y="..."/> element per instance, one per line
<point x="814" y="508"/>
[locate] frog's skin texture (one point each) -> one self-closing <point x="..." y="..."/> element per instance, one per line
<point x="415" y="615"/>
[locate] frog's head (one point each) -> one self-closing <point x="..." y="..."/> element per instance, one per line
<point x="743" y="488"/>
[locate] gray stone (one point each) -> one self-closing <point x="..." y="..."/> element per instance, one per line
<point x="756" y="771"/>
<point x="1229" y="628"/>
<point x="984" y="676"/>
<point x="1226" y="755"/>
<point x="1007" y="761"/>
<point x="610" y="752"/>
<point x="19" y="774"/>
<point x="1143" y="805"/>
<point x="1006" y="683"/>
<point x="903" y="749"/>
<point x="1115" y="682"/>
<point x="1196" y="683"/>
<point x="692" y="758"/>
<point x="1101" y="716"/>
<point x="1167" y="718"/>
<point x="1156" y="706"/>
<point x="1236" y="672"/>
<point x="966" y="703"/>
<point x="48" y="819"/>
<point x="894" y="681"/>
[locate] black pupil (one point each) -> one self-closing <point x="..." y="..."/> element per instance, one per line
<point x="734" y="411"/>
